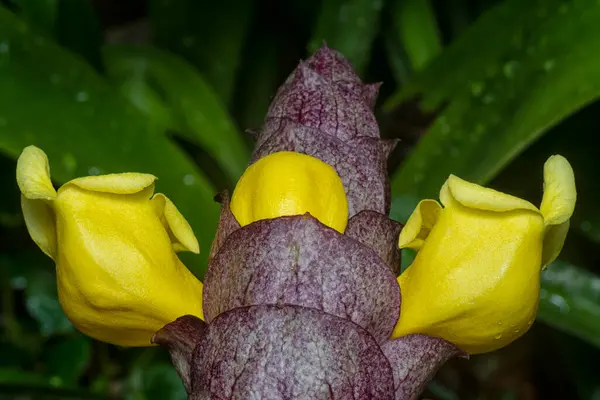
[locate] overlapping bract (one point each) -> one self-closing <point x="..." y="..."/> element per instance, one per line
<point x="295" y="309"/>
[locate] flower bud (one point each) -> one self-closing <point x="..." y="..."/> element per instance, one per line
<point x="113" y="242"/>
<point x="288" y="183"/>
<point x="476" y="278"/>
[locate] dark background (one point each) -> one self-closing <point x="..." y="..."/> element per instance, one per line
<point x="483" y="89"/>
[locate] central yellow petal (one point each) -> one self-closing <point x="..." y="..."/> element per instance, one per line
<point x="289" y="183"/>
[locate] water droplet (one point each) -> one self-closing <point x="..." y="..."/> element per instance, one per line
<point x="444" y="126"/>
<point x="510" y="69"/>
<point x="189" y="179"/>
<point x="549" y="64"/>
<point x="559" y="302"/>
<point x="94" y="171"/>
<point x="4" y="47"/>
<point x="18" y="282"/>
<point x="498" y="337"/>
<point x="477" y="88"/>
<point x="56" y="381"/>
<point x="55" y="79"/>
<point x="586" y="226"/>
<point x="488" y="99"/>
<point x="377" y="5"/>
<point x="478" y="132"/>
<point x="188" y="41"/>
<point x="82" y="96"/>
<point x="69" y="162"/>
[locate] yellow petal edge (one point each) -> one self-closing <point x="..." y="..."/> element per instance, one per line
<point x="419" y="225"/>
<point x="176" y="224"/>
<point x="560" y="193"/>
<point x="123" y="183"/>
<point x="33" y="174"/>
<point x="475" y="196"/>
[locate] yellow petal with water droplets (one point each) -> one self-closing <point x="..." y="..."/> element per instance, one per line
<point x="41" y="224"/>
<point x="33" y="174"/>
<point x="560" y="193"/>
<point x="180" y="231"/>
<point x="475" y="196"/>
<point x="125" y="183"/>
<point x="419" y="224"/>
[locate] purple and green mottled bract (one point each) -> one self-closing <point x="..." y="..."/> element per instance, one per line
<point x="294" y="309"/>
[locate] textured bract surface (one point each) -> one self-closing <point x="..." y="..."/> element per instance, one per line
<point x="377" y="232"/>
<point x="414" y="357"/>
<point x="298" y="260"/>
<point x="324" y="110"/>
<point x="288" y="352"/>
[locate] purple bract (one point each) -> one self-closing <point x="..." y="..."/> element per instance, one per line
<point x="294" y="309"/>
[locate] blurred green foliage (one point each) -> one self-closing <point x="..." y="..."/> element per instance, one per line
<point x="483" y="89"/>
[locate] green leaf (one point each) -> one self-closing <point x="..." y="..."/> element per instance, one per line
<point x="72" y="23"/>
<point x="517" y="71"/>
<point x="260" y="80"/>
<point x="210" y="35"/>
<point x="348" y="26"/>
<point x="196" y="111"/>
<point x="157" y="381"/>
<point x="50" y="98"/>
<point x="19" y="376"/>
<point x="416" y="28"/>
<point x="42" y="299"/>
<point x="17" y="384"/>
<point x="570" y="301"/>
<point x="42" y="14"/>
<point x="67" y="359"/>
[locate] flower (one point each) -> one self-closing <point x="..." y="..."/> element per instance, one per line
<point x="476" y="278"/>
<point x="113" y="242"/>
<point x="286" y="183"/>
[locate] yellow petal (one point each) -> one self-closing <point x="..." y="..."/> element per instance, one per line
<point x="41" y="224"/>
<point x="180" y="231"/>
<point x="33" y="174"/>
<point x="125" y="183"/>
<point x="475" y="281"/>
<point x="553" y="242"/>
<point x="560" y="193"/>
<point x="118" y="278"/>
<point x="289" y="183"/>
<point x="419" y="224"/>
<point x="474" y="196"/>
